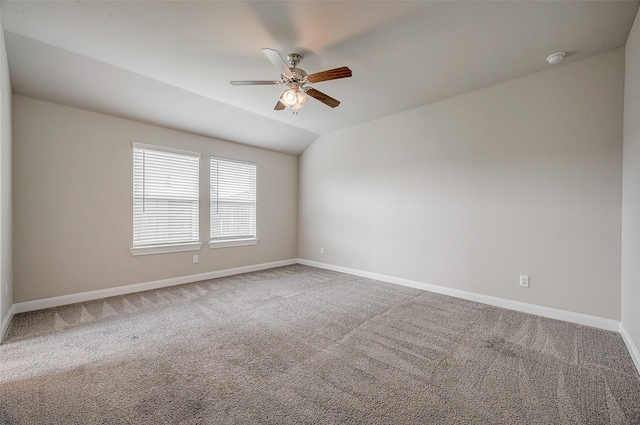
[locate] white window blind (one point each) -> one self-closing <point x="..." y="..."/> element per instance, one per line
<point x="233" y="200"/>
<point x="165" y="196"/>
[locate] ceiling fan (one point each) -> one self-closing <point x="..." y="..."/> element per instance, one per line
<point x="297" y="81"/>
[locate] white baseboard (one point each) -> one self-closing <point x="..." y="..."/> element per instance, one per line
<point x="631" y="346"/>
<point x="5" y="323"/>
<point x="552" y="313"/>
<point x="139" y="287"/>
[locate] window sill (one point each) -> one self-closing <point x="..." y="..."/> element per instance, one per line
<point x="163" y="249"/>
<point x="230" y="243"/>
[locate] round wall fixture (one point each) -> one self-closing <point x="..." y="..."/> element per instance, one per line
<point x="555" y="58"/>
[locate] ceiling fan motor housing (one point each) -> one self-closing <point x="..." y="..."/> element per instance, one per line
<point x="298" y="76"/>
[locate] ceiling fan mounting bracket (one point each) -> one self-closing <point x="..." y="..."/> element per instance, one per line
<point x="294" y="59"/>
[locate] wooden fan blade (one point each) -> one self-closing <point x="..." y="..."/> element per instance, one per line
<point x="332" y="74"/>
<point x="277" y="60"/>
<point x="279" y="106"/>
<point x="327" y="100"/>
<point x="253" y="83"/>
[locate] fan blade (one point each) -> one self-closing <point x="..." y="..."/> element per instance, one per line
<point x="277" y="60"/>
<point x="253" y="83"/>
<point x="327" y="100"/>
<point x="332" y="74"/>
<point x="279" y="106"/>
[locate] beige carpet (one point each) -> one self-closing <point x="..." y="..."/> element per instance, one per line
<point x="299" y="345"/>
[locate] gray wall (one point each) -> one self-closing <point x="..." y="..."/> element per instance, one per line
<point x="73" y="183"/>
<point x="6" y="225"/>
<point x="522" y="177"/>
<point x="631" y="189"/>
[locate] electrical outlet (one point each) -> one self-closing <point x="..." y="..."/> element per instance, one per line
<point x="524" y="281"/>
<point x="321" y="250"/>
<point x="195" y="259"/>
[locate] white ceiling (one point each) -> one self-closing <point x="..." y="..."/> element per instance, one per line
<point x="169" y="63"/>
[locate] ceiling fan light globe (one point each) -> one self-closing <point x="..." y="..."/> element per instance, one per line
<point x="289" y="97"/>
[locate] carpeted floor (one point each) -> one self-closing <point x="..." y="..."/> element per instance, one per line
<point x="300" y="345"/>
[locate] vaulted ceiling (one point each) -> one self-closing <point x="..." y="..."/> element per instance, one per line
<point x="169" y="63"/>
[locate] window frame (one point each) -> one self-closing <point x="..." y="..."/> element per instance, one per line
<point x="161" y="248"/>
<point x="231" y="242"/>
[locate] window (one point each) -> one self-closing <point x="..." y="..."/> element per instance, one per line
<point x="233" y="203"/>
<point x="165" y="200"/>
